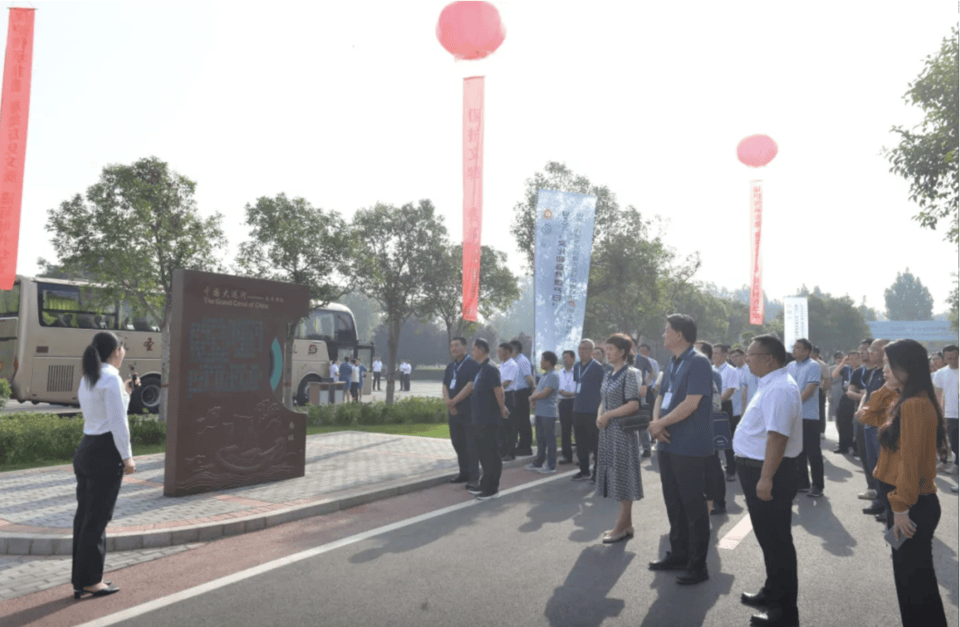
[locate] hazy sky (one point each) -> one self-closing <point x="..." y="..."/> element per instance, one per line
<point x="352" y="103"/>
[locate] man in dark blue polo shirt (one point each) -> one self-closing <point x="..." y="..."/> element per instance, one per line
<point x="587" y="377"/>
<point x="681" y="425"/>
<point x="487" y="409"/>
<point x="463" y="435"/>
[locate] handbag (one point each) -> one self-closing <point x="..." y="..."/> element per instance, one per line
<point x="634" y="422"/>
<point x="722" y="438"/>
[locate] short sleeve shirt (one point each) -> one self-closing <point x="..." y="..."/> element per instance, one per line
<point x="547" y="407"/>
<point x="567" y="384"/>
<point x="946" y="379"/>
<point x="525" y="370"/>
<point x="775" y="407"/>
<point x="804" y="373"/>
<point x="691" y="374"/>
<point x="484" y="408"/>
<point x="588" y="378"/>
<point x="456" y="377"/>
<point x="750" y="381"/>
<point x="872" y="381"/>
<point x="346" y="373"/>
<point x="510" y="372"/>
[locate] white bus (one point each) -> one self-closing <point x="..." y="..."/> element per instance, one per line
<point x="46" y="323"/>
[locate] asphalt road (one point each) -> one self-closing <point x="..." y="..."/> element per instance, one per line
<point x="533" y="557"/>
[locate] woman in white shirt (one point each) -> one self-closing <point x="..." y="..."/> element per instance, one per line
<point x="101" y="460"/>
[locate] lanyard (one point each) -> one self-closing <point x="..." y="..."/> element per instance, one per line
<point x="675" y="367"/>
<point x="581" y="371"/>
<point x="456" y="369"/>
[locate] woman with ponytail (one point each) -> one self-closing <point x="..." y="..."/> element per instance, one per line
<point x="101" y="460"/>
<point x="905" y="471"/>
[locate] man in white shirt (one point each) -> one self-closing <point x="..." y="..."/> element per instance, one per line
<point x="405" y="370"/>
<point x="766" y="445"/>
<point x="737" y="360"/>
<point x="509" y="373"/>
<point x="377" y="371"/>
<point x="731" y="383"/>
<point x="335" y="370"/>
<point x="524" y="389"/>
<point x="567" y="391"/>
<point x="946" y="383"/>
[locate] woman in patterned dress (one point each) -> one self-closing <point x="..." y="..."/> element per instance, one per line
<point x="618" y="451"/>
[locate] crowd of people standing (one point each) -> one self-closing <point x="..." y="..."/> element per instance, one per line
<point x="896" y="412"/>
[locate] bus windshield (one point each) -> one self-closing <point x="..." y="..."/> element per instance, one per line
<point x="328" y="326"/>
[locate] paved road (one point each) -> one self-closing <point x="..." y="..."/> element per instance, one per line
<point x="532" y="557"/>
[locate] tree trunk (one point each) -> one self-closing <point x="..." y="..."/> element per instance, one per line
<point x="393" y="343"/>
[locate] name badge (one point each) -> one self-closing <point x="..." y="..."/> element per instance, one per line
<point x="578" y="388"/>
<point x="666" y="401"/>
<point x="453" y="383"/>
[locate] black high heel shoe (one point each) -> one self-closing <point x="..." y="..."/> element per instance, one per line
<point x="102" y="592"/>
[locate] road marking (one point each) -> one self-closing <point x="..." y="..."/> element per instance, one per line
<point x="735" y="535"/>
<point x="183" y="595"/>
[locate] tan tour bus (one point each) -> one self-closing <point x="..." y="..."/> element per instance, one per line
<point x="46" y="323"/>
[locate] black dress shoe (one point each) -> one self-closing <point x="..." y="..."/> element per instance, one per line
<point x="773" y="617"/>
<point x="102" y="592"/>
<point x="759" y="599"/>
<point x="873" y="510"/>
<point x="669" y="562"/>
<point x="473" y="488"/>
<point x="459" y="479"/>
<point x="842" y="451"/>
<point x="565" y="461"/>
<point x="881" y="517"/>
<point x="523" y="452"/>
<point x="718" y="509"/>
<point x="693" y="576"/>
<point x="645" y="453"/>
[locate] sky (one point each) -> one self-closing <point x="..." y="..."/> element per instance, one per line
<point x="351" y="104"/>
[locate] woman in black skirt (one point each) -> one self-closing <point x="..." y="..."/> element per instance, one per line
<point x="101" y="460"/>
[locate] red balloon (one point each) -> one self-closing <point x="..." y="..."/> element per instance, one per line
<point x="756" y="150"/>
<point x="470" y="30"/>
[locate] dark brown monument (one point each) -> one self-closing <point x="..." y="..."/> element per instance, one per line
<point x="226" y="423"/>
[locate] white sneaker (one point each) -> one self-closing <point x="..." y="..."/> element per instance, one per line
<point x="943" y="466"/>
<point x="869" y="495"/>
<point x="546" y="470"/>
<point x="532" y="467"/>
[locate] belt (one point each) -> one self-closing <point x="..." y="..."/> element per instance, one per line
<point x="509" y="393"/>
<point x="746" y="461"/>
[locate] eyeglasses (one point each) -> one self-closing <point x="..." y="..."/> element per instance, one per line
<point x="756" y="354"/>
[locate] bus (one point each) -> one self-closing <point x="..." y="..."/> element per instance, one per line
<point x="46" y="323"/>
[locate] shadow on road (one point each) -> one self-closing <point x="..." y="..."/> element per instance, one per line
<point x="834" y="473"/>
<point x="34" y="614"/>
<point x="817" y="517"/>
<point x="945" y="564"/>
<point x="582" y="599"/>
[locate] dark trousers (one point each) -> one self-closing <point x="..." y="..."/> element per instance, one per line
<point x="952" y="431"/>
<point x="812" y="453"/>
<point x="845" y="427"/>
<point x="508" y="427"/>
<point x="728" y="453"/>
<point x="771" y="525"/>
<point x="682" y="479"/>
<point x="715" y="486"/>
<point x="913" y="573"/>
<point x="487" y="435"/>
<point x="99" y="471"/>
<point x="565" y="410"/>
<point x="823" y="411"/>
<point x="463" y="436"/>
<point x="861" y="441"/>
<point x="588" y="436"/>
<point x="523" y="421"/>
<point x="376" y="380"/>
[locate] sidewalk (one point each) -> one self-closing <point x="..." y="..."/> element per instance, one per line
<point x="343" y="469"/>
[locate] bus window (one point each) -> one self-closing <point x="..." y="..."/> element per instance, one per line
<point x="346" y="331"/>
<point x="68" y="306"/>
<point x="135" y="321"/>
<point x="319" y="326"/>
<point x="10" y="302"/>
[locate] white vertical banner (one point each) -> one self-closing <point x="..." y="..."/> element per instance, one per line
<point x="795" y="321"/>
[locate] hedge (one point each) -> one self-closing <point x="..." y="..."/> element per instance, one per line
<point x="32" y="437"/>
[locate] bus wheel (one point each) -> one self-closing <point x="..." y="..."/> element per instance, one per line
<point x="147" y="396"/>
<point x="303" y="392"/>
<point x="35" y="402"/>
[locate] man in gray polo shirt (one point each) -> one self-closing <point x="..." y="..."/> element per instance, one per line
<point x="806" y="373"/>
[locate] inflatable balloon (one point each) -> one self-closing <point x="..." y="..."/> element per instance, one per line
<point x="470" y="30"/>
<point x="756" y="150"/>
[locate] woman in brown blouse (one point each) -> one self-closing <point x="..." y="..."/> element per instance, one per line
<point x="906" y="470"/>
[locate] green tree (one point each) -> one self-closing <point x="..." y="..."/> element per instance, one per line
<point x="292" y="241"/>
<point x="869" y="313"/>
<point x="835" y="322"/>
<point x="953" y="301"/>
<point x="498" y="289"/>
<point x="517" y="316"/>
<point x="908" y="298"/>
<point x="366" y="311"/>
<point x="396" y="252"/>
<point x="927" y="155"/>
<point x="137" y="225"/>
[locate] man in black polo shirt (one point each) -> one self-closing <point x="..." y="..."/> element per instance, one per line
<point x="487" y="408"/>
<point x="587" y="375"/>
<point x="463" y="434"/>
<point x="681" y="426"/>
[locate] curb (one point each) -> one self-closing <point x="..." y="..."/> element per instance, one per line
<point x="62" y="544"/>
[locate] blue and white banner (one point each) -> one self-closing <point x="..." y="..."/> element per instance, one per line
<point x="561" y="269"/>
<point x="795" y="320"/>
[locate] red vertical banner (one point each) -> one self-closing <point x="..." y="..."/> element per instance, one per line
<point x="472" y="192"/>
<point x="756" y="261"/>
<point x="14" y="106"/>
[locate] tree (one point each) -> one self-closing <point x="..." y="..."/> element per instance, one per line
<point x="869" y="313"/>
<point x="366" y="311"/>
<point x="908" y="299"/>
<point x="396" y="252"/>
<point x="292" y="241"/>
<point x="953" y="301"/>
<point x="138" y="224"/>
<point x="516" y="317"/>
<point x="608" y="221"/>
<point x="927" y="157"/>
<point x="498" y="288"/>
